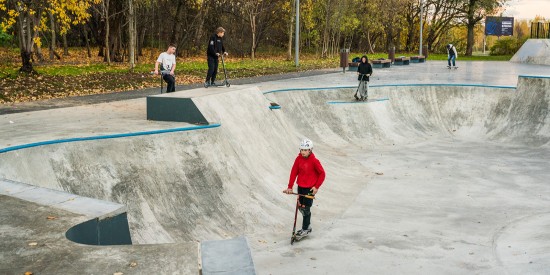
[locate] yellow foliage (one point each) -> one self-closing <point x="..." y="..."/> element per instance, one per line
<point x="37" y="41"/>
<point x="13" y="13"/>
<point x="10" y="21"/>
<point x="66" y="12"/>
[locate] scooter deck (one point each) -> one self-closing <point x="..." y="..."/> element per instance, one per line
<point x="358" y="101"/>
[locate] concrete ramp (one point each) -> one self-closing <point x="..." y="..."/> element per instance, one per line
<point x="182" y="106"/>
<point x="533" y="51"/>
<point x="226" y="257"/>
<point x="424" y="182"/>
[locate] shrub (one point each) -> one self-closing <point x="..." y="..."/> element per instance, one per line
<point x="5" y="39"/>
<point x="507" y="46"/>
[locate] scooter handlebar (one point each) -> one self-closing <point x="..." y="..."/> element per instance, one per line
<point x="305" y="196"/>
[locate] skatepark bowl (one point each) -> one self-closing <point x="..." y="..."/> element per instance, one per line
<point x="421" y="179"/>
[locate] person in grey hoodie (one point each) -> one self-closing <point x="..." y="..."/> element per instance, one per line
<point x="451" y="55"/>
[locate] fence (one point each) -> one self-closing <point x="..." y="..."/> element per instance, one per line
<point x="540" y="30"/>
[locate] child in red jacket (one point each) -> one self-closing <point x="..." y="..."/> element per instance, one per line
<point x="310" y="174"/>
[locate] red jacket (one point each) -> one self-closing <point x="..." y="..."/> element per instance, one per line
<point x="309" y="171"/>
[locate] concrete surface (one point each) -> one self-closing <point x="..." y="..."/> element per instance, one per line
<point x="225" y="257"/>
<point x="33" y="243"/>
<point x="533" y="51"/>
<point x="437" y="179"/>
<point x="88" y="207"/>
<point x="135" y="94"/>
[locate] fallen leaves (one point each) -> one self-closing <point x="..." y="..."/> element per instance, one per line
<point x="51" y="218"/>
<point x="78" y="75"/>
<point x="33" y="244"/>
<point x="29" y="88"/>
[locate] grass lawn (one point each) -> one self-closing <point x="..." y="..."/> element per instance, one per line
<point x="77" y="74"/>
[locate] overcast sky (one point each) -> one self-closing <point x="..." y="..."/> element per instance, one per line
<point x="527" y="9"/>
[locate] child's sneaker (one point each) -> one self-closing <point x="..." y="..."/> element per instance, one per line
<point x="302" y="233"/>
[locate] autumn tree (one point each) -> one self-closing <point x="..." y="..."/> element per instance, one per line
<point x="29" y="18"/>
<point x="441" y="16"/>
<point x="472" y="12"/>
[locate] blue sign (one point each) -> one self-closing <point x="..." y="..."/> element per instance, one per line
<point x="499" y="26"/>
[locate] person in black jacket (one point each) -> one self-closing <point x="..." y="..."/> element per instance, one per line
<point x="364" y="71"/>
<point x="215" y="49"/>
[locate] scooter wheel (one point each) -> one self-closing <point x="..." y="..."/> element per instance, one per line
<point x="227" y="85"/>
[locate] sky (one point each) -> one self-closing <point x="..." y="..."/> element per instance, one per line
<point x="527" y="9"/>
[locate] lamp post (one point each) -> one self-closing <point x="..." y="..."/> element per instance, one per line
<point x="421" y="12"/>
<point x="297" y="37"/>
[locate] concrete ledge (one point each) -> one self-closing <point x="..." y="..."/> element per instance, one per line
<point x="108" y="224"/>
<point x="353" y="66"/>
<point x="226" y="257"/>
<point x="418" y="59"/>
<point x="179" y="106"/>
<point x="31" y="242"/>
<point x="381" y="63"/>
<point x="88" y="207"/>
<point x="402" y="60"/>
<point x="182" y="106"/>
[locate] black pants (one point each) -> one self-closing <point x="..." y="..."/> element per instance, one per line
<point x="212" y="69"/>
<point x="170" y="82"/>
<point x="306" y="207"/>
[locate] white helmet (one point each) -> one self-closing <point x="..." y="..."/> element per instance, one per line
<point x="306" y="144"/>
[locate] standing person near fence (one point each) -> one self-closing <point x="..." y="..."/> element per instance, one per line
<point x="215" y="49"/>
<point x="364" y="71"/>
<point x="167" y="62"/>
<point x="451" y="55"/>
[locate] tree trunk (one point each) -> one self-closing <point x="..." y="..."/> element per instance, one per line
<point x="326" y="37"/>
<point x="253" y="29"/>
<point x="38" y="53"/>
<point x="471" y="23"/>
<point x="65" y="45"/>
<point x="52" y="42"/>
<point x="290" y="32"/>
<point x="27" y="63"/>
<point x="177" y="22"/>
<point x="470" y="40"/>
<point x="87" y="41"/>
<point x="107" y="47"/>
<point x="141" y="41"/>
<point x="200" y="25"/>
<point x="131" y="35"/>
<point x="370" y="49"/>
<point x="25" y="36"/>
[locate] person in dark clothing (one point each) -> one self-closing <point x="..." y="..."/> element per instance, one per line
<point x="215" y="49"/>
<point x="364" y="71"/>
<point x="451" y="55"/>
